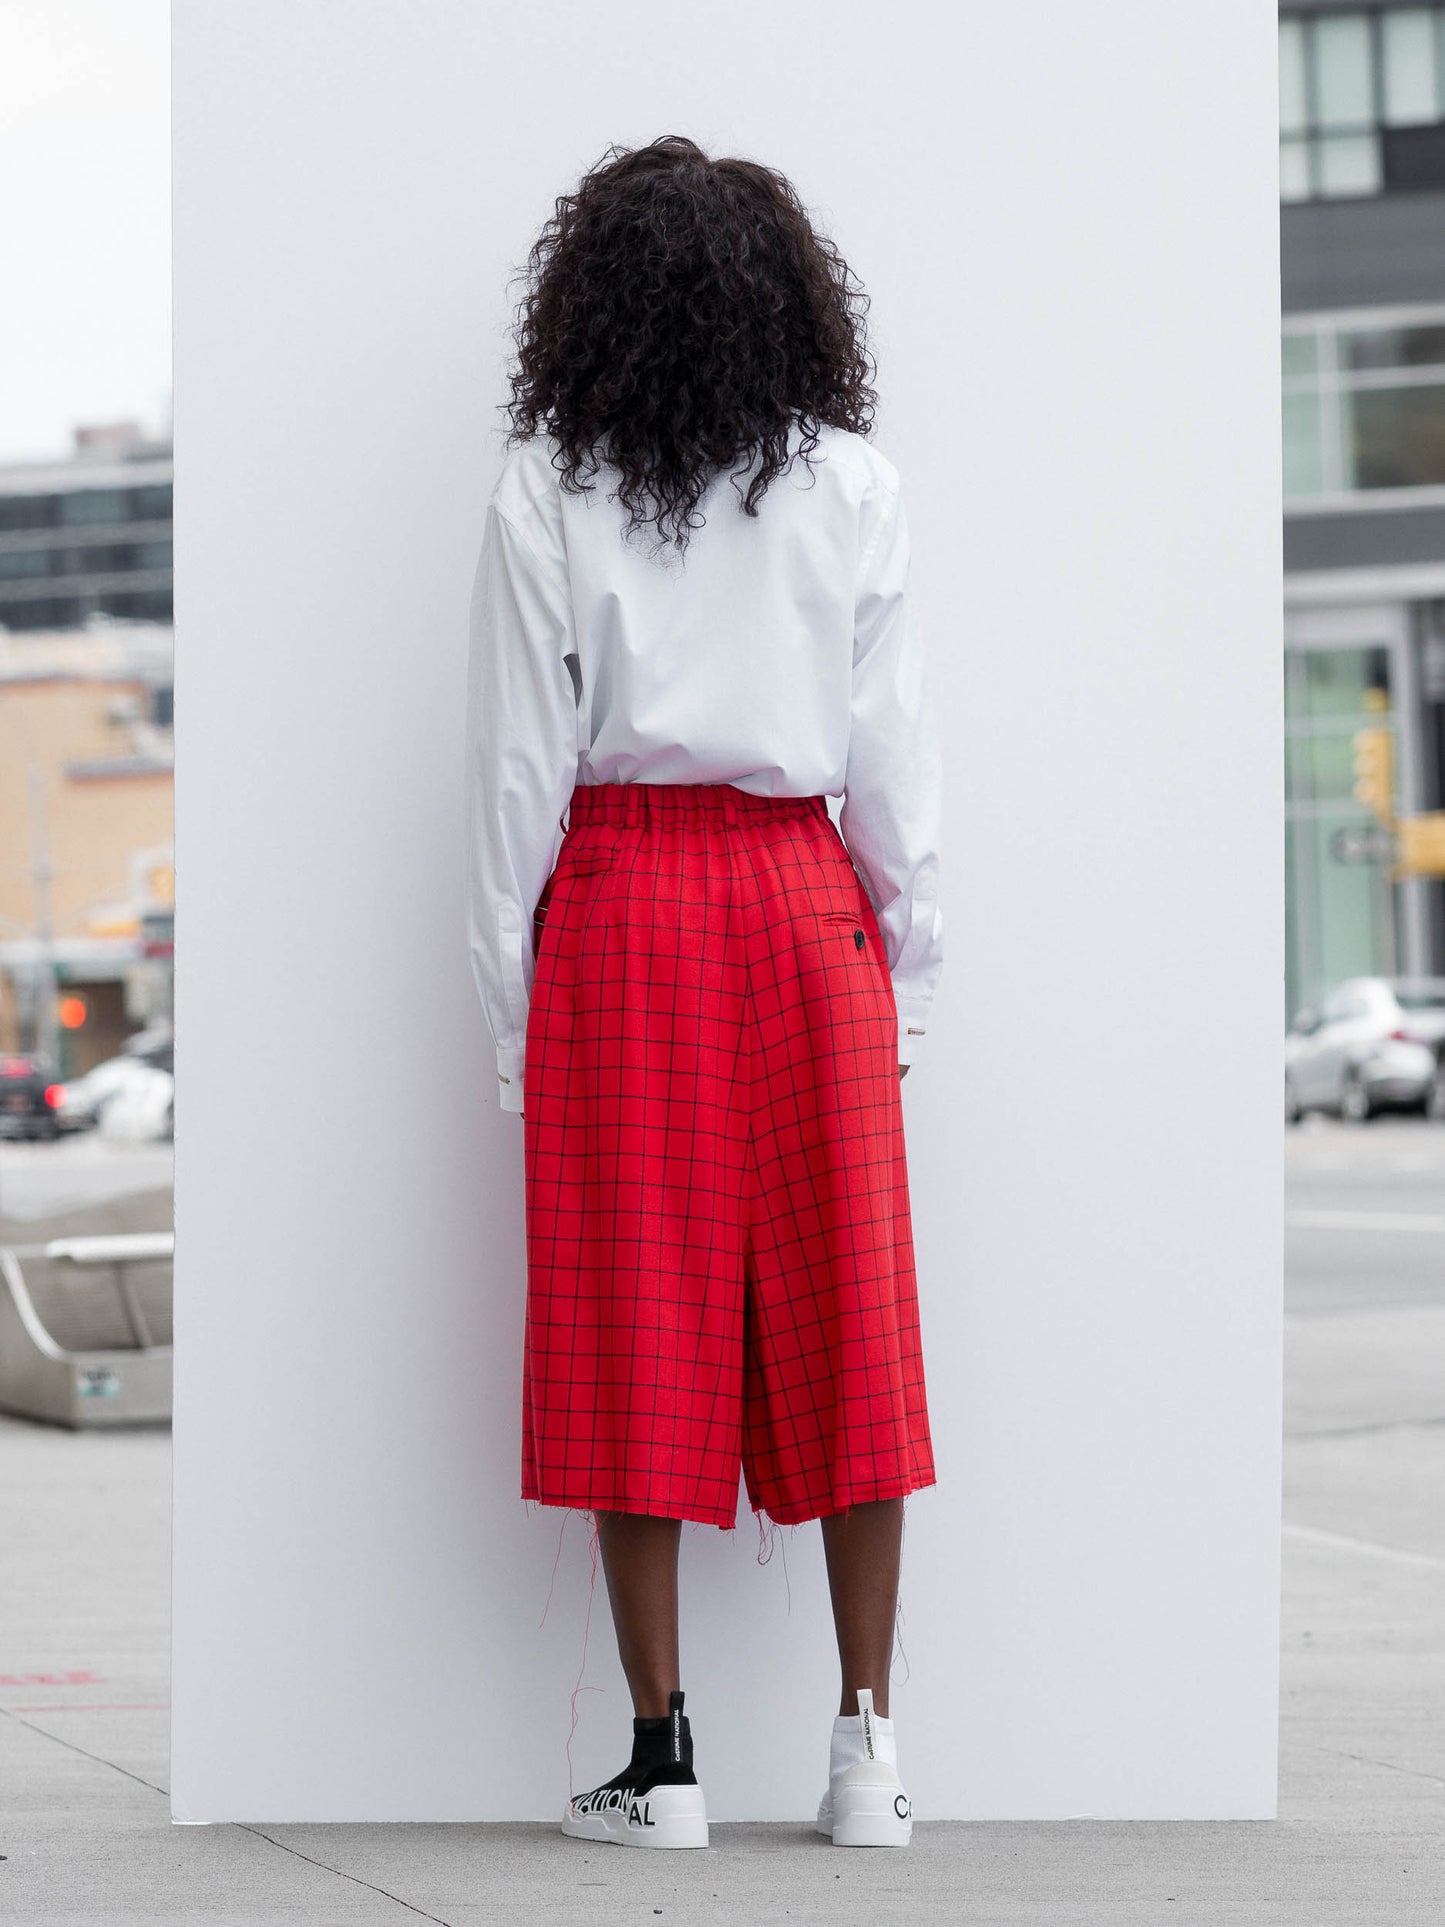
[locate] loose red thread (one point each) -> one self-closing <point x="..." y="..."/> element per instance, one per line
<point x="767" y="1532"/>
<point x="593" y="1547"/>
<point x="898" y="1609"/>
<point x="553" y="1580"/>
<point x="768" y="1536"/>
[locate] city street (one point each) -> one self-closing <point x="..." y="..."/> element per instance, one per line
<point x="652" y="493"/>
<point x="83" y="1670"/>
<point x="1364" y="1539"/>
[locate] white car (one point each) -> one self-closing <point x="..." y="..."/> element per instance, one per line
<point x="142" y="1112"/>
<point x="1375" y="1044"/>
<point x="83" y="1100"/>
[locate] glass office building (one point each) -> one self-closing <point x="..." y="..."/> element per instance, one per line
<point x="87" y="536"/>
<point x="1362" y="186"/>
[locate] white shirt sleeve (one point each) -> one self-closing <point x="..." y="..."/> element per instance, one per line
<point x="521" y="767"/>
<point x="891" y="811"/>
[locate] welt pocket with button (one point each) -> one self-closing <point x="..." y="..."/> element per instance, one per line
<point x="847" y="920"/>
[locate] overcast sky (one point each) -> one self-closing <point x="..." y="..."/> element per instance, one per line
<point x="85" y="329"/>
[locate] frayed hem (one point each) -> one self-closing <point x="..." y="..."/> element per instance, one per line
<point x="826" y="1509"/>
<point x="590" y="1509"/>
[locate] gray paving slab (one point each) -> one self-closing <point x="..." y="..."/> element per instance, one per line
<point x="1360" y="1839"/>
<point x="89" y="1838"/>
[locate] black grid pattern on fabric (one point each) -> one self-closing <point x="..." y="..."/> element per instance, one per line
<point x="720" y="1259"/>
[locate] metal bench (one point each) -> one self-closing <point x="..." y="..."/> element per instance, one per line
<point x="108" y="1383"/>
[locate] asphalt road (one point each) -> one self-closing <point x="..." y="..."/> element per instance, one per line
<point x="1364" y="1215"/>
<point x="40" y="1181"/>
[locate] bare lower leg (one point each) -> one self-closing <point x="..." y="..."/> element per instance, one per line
<point x="639" y="1558"/>
<point x="863" y="1548"/>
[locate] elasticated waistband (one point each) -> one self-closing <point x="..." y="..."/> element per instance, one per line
<point x="683" y="803"/>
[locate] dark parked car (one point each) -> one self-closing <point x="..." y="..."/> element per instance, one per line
<point x="29" y="1093"/>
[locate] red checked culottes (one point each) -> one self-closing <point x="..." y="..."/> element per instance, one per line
<point x="719" y="1244"/>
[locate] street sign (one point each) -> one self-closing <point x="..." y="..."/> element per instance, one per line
<point x="1362" y="843"/>
<point x="158" y="933"/>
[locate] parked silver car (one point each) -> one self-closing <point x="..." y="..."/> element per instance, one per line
<point x="1374" y="1044"/>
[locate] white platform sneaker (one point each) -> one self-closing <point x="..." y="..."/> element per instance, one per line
<point x="664" y="1816"/>
<point x="655" y="1801"/>
<point x="866" y="1804"/>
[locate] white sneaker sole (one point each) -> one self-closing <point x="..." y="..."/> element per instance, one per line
<point x="867" y="1808"/>
<point x="668" y="1816"/>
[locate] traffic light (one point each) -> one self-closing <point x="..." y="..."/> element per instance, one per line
<point x="1421" y="846"/>
<point x="1375" y="771"/>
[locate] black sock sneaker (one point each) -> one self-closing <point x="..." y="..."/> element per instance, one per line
<point x="655" y="1801"/>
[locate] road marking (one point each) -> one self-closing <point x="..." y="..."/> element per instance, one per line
<point x="1366" y="1220"/>
<point x="1344" y="1543"/>
<point x="143" y="1706"/>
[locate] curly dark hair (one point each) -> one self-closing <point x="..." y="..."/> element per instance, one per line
<point x="680" y="314"/>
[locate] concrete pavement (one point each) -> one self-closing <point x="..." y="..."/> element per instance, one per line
<point x="83" y="1725"/>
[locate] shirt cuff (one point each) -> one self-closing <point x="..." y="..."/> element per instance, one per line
<point x="912" y="1026"/>
<point x="509" y="1078"/>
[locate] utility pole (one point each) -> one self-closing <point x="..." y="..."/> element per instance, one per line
<point x="42" y="871"/>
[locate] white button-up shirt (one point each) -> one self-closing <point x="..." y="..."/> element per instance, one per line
<point x="780" y="654"/>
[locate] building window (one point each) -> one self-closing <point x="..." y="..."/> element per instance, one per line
<point x="59" y="612"/>
<point x="146" y="605"/>
<point x="151" y="504"/>
<point x="94" y="505"/>
<point x="1361" y="102"/>
<point x="29" y="511"/>
<point x="1364" y="404"/>
<point x="22" y="565"/>
<point x="1340" y="919"/>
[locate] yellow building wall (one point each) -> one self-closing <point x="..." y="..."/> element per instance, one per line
<point x="94" y="824"/>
